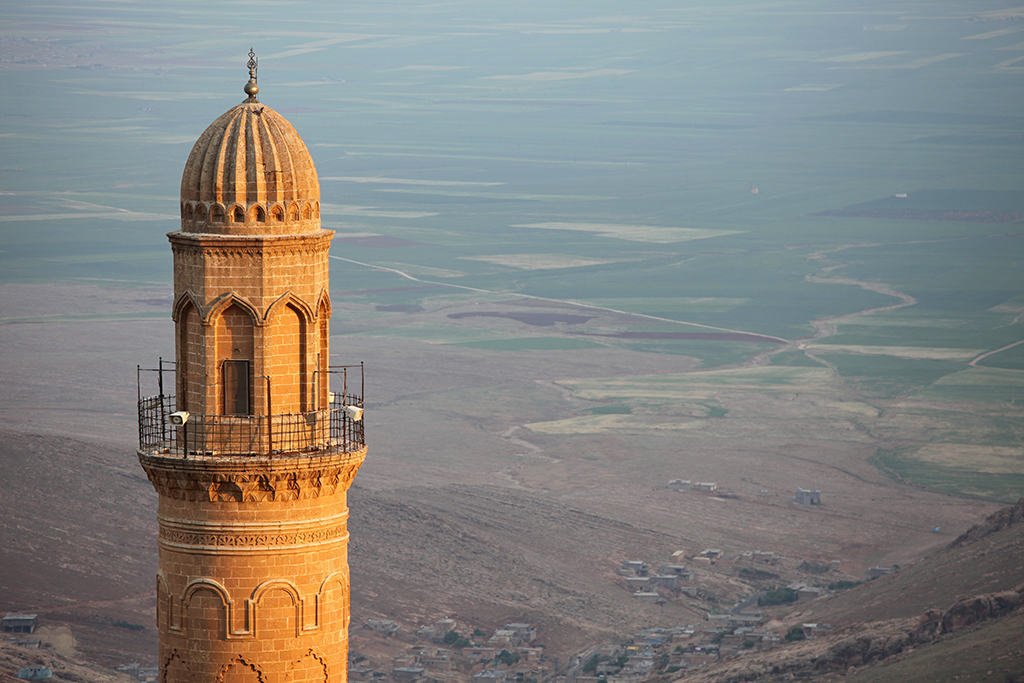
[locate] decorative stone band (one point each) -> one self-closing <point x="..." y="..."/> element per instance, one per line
<point x="211" y="245"/>
<point x="235" y="538"/>
<point x="251" y="479"/>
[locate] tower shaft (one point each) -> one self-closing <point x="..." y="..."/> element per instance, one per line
<point x="252" y="456"/>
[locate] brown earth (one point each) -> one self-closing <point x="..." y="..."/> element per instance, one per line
<point x="459" y="508"/>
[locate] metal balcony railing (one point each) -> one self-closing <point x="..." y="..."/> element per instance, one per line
<point x="331" y="429"/>
<point x="336" y="427"/>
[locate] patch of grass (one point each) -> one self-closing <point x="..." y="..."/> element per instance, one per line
<point x="614" y="409"/>
<point x="977" y="384"/>
<point x="959" y="481"/>
<point x="888" y="376"/>
<point x="715" y="410"/>
<point x="794" y="359"/>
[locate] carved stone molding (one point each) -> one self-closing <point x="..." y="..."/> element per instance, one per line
<point x="254" y="245"/>
<point x="223" y="537"/>
<point x="251" y="479"/>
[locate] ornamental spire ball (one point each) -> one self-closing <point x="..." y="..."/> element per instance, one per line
<point x="251" y="89"/>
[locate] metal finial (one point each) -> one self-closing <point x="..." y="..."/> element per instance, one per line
<point x="251" y="89"/>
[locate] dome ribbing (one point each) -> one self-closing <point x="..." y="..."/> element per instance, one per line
<point x="250" y="173"/>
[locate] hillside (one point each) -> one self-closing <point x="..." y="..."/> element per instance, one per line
<point x="957" y="614"/>
<point x="488" y="555"/>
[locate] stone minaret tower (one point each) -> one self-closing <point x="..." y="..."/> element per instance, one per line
<point x="254" y="454"/>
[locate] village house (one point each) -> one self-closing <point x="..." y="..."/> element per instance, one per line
<point x="524" y="632"/>
<point x="530" y="654"/>
<point x="35" y="673"/>
<point x="479" y="654"/>
<point x="705" y="486"/>
<point x="634" y="568"/>
<point x="806" y="593"/>
<point x="665" y="581"/>
<point x="491" y="676"/>
<point x="636" y="583"/>
<point x="808" y="496"/>
<point x="383" y="626"/>
<point x="680" y="570"/>
<point x="20" y="623"/>
<point x="647" y="596"/>
<point x="407" y="674"/>
<point x="692" y="660"/>
<point x="503" y="637"/>
<point x="27" y="643"/>
<point x="680" y="485"/>
<point x="816" y="630"/>
<point x="435" y="658"/>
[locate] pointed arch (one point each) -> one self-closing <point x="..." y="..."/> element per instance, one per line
<point x="306" y="212"/>
<point x="187" y="298"/>
<point x="293" y="212"/>
<point x="258" y="214"/>
<point x="200" y="213"/>
<point x="237" y="214"/>
<point x="316" y="209"/>
<point x="276" y="213"/>
<point x="288" y="323"/>
<point x="323" y="303"/>
<point x="223" y="302"/>
<point x="190" y="334"/>
<point x="289" y="299"/>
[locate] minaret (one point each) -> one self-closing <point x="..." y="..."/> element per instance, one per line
<point x="253" y="455"/>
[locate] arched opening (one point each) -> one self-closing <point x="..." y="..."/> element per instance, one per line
<point x="259" y="215"/>
<point x="289" y="374"/>
<point x="216" y="213"/>
<point x="238" y="215"/>
<point x="323" y="353"/>
<point x="293" y="213"/>
<point x="305" y="212"/>
<point x="200" y="213"/>
<point x="235" y="353"/>
<point x="277" y="214"/>
<point x="189" y="358"/>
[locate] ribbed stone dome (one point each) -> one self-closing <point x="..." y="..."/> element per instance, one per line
<point x="250" y="173"/>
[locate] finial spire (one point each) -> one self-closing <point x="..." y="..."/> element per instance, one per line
<point x="251" y="88"/>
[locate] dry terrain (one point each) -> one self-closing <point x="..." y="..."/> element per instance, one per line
<point x="493" y="490"/>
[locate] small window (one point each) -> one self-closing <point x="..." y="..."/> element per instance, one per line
<point x="236" y="387"/>
<point x="239" y="215"/>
